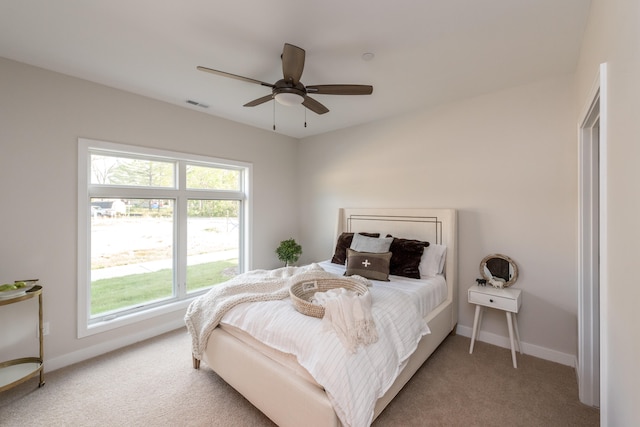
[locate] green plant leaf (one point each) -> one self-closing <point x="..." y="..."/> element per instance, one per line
<point x="289" y="251"/>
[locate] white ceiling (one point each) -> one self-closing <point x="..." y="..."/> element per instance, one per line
<point x="427" y="52"/>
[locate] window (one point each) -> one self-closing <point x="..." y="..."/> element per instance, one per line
<point x="155" y="229"/>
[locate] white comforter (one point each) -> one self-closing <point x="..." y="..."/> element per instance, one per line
<point x="353" y="382"/>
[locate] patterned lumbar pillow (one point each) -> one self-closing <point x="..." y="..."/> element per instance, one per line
<point x="371" y="265"/>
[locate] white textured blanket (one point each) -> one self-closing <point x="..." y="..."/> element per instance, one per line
<point x="205" y="312"/>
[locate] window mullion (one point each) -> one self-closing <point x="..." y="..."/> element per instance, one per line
<point x="180" y="256"/>
<point x="214" y="195"/>
<point x="131" y="193"/>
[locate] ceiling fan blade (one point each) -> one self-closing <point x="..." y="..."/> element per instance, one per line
<point x="340" y="89"/>
<point x="314" y="105"/>
<point x="258" y="101"/>
<point x="292" y="62"/>
<point x="233" y="76"/>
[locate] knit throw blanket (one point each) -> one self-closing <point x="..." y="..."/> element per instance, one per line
<point x="206" y="311"/>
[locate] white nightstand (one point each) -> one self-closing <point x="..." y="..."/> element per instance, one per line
<point x="508" y="300"/>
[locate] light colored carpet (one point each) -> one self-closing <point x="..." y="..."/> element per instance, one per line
<point x="152" y="383"/>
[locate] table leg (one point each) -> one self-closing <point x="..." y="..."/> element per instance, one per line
<point x="515" y="325"/>
<point x="476" y="321"/>
<point x="513" y="351"/>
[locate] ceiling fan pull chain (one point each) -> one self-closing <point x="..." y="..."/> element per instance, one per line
<point x="274" y="116"/>
<point x="305" y="117"/>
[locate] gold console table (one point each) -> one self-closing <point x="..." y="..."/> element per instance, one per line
<point x="17" y="371"/>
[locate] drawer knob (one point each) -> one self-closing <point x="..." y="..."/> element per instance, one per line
<point x="490" y="300"/>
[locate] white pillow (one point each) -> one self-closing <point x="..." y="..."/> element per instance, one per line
<point x="376" y="245"/>
<point x="432" y="262"/>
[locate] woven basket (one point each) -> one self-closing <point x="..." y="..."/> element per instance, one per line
<point x="302" y="292"/>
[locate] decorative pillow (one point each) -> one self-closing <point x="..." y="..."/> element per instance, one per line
<point x="406" y="257"/>
<point x="362" y="243"/>
<point x="344" y="241"/>
<point x="371" y="265"/>
<point x="432" y="262"/>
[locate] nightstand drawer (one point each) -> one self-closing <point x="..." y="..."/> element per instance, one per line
<point x="494" y="301"/>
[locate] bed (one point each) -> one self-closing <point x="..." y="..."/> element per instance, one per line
<point x="285" y="391"/>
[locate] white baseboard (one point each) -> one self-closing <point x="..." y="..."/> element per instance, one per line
<point x="530" y="349"/>
<point x="105" y="347"/>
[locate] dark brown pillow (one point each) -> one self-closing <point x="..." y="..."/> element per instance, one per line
<point x="344" y="241"/>
<point x="371" y="265"/>
<point x="406" y="257"/>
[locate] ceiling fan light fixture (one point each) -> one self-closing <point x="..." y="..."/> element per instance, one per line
<point x="289" y="99"/>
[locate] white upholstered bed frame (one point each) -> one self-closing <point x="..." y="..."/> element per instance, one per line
<point x="288" y="399"/>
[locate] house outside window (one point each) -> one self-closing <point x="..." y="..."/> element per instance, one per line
<point x="155" y="229"/>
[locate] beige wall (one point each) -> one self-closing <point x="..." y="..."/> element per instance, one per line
<point x="506" y="160"/>
<point x="42" y="115"/>
<point x="612" y="37"/>
<point x="444" y="157"/>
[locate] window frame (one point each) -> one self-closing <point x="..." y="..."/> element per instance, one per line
<point x="87" y="326"/>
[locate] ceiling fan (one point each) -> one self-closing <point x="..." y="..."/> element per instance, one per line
<point x="289" y="90"/>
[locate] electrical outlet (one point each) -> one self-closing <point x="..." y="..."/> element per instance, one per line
<point x="45" y="328"/>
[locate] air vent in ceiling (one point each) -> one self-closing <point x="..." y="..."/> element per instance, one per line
<point x="197" y="104"/>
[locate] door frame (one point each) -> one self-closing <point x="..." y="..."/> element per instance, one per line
<point x="592" y="248"/>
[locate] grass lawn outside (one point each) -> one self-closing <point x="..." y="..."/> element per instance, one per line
<point x="127" y="291"/>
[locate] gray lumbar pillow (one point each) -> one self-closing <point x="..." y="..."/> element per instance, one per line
<point x="362" y="243"/>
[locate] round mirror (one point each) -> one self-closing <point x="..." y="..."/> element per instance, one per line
<point x="499" y="268"/>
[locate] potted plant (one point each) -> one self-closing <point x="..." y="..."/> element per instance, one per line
<point x="289" y="251"/>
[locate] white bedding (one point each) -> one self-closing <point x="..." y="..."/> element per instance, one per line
<point x="353" y="382"/>
<point x="428" y="292"/>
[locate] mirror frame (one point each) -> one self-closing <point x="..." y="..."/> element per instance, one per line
<point x="512" y="264"/>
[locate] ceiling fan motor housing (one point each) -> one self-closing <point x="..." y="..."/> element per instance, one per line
<point x="283" y="86"/>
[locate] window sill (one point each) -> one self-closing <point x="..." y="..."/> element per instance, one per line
<point x="86" y="330"/>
